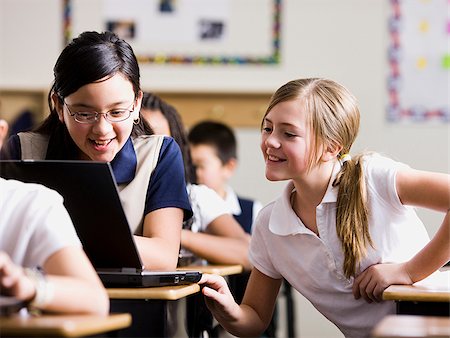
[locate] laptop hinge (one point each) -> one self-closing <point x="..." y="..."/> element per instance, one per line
<point x="130" y="270"/>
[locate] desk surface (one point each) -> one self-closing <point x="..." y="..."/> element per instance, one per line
<point x="412" y="326"/>
<point x="435" y="288"/>
<point x="163" y="292"/>
<point x="62" y="325"/>
<point x="222" y="270"/>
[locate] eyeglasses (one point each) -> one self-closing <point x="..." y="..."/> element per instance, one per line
<point x="115" y="115"/>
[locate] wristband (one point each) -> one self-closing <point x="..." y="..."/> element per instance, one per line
<point x="44" y="289"/>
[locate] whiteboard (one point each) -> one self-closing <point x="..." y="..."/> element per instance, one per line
<point x="419" y="61"/>
<point x="185" y="31"/>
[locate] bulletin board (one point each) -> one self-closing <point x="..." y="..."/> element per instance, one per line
<point x="419" y="61"/>
<point x="213" y="32"/>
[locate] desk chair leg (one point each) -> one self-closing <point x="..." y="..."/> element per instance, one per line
<point x="290" y="310"/>
<point x="198" y="317"/>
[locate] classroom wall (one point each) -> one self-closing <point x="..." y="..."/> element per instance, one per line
<point x="344" y="40"/>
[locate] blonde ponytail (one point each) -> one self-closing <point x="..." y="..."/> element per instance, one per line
<point x="352" y="215"/>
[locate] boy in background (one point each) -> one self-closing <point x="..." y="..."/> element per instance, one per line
<point x="214" y="154"/>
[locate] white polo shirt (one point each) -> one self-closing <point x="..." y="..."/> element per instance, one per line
<point x="34" y="223"/>
<point x="282" y="247"/>
<point x="206" y="205"/>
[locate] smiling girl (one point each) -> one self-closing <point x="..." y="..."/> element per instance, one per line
<point x="344" y="229"/>
<point x="95" y="103"/>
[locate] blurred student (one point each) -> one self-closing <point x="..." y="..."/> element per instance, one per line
<point x="345" y="227"/>
<point x="94" y="107"/>
<point x="214" y="155"/>
<point x="37" y="232"/>
<point x="3" y="131"/>
<point x="213" y="233"/>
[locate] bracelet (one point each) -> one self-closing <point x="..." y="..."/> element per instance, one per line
<point x="44" y="289"/>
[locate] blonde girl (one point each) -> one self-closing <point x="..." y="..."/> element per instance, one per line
<point x="344" y="228"/>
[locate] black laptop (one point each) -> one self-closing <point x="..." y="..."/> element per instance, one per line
<point x="91" y="197"/>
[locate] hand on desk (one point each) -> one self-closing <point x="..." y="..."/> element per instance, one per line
<point x="371" y="283"/>
<point x="13" y="281"/>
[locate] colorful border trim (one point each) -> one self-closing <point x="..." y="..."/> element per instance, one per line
<point x="272" y="59"/>
<point x="67" y="21"/>
<point x="395" y="112"/>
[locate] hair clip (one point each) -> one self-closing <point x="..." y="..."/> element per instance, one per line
<point x="344" y="158"/>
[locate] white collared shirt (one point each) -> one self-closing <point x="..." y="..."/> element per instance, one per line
<point x="34" y="223"/>
<point x="283" y="247"/>
<point x="206" y="205"/>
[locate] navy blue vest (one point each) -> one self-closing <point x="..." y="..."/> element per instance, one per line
<point x="238" y="283"/>
<point x="245" y="219"/>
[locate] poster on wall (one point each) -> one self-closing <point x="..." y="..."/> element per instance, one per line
<point x="419" y="61"/>
<point x="185" y="31"/>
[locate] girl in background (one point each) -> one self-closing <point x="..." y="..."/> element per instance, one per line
<point x="213" y="234"/>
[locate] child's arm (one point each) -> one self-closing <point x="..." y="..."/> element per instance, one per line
<point x="224" y="243"/>
<point x="250" y="318"/>
<point x="415" y="188"/>
<point x="432" y="191"/>
<point x="160" y="243"/>
<point x="224" y="240"/>
<point x="71" y="285"/>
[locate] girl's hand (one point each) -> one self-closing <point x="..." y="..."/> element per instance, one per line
<point x="218" y="298"/>
<point x="371" y="283"/>
<point x="13" y="281"/>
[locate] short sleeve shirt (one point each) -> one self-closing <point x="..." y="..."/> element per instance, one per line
<point x="34" y="223"/>
<point x="283" y="247"/>
<point x="206" y="204"/>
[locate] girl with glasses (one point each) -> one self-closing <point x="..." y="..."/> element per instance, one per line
<point x="94" y="104"/>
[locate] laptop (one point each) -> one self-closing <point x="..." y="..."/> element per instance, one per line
<point x="92" y="200"/>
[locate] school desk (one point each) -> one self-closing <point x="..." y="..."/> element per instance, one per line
<point x="402" y="326"/>
<point x="155" y="293"/>
<point x="430" y="296"/>
<point x="61" y="325"/>
<point x="152" y="309"/>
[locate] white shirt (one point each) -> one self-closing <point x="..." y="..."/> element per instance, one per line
<point x="206" y="206"/>
<point x="282" y="246"/>
<point x="232" y="202"/>
<point x="34" y="223"/>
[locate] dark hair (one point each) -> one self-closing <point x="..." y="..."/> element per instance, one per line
<point x="153" y="102"/>
<point x="215" y="134"/>
<point x="90" y="57"/>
